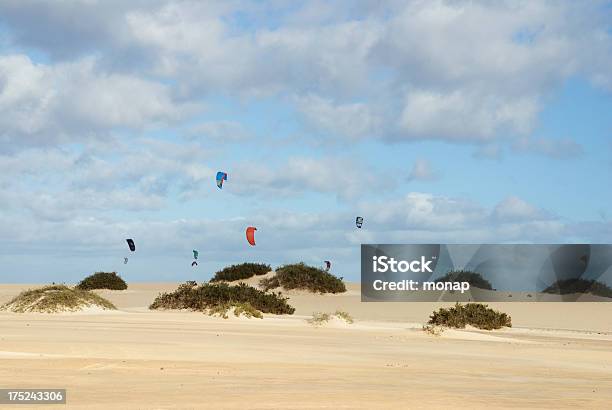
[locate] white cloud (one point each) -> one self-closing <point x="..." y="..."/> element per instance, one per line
<point x="67" y="30"/>
<point x="515" y="209"/>
<point x="464" y="116"/>
<point x="69" y="204"/>
<point x="416" y="218"/>
<point x="47" y="104"/>
<point x="194" y="42"/>
<point x="422" y="211"/>
<point x="472" y="71"/>
<point x="333" y="175"/>
<point x="456" y="71"/>
<point x="55" y="184"/>
<point x="311" y="237"/>
<point x="422" y="171"/>
<point x="422" y="217"/>
<point x="353" y="120"/>
<point x="146" y="174"/>
<point x="220" y="131"/>
<point x="116" y="100"/>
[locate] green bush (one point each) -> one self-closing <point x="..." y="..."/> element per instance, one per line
<point x="475" y="279"/>
<point x="319" y="318"/>
<point x="219" y="310"/>
<point x="344" y="316"/>
<point x="103" y="280"/>
<point x="210" y="296"/>
<point x="433" y="330"/>
<point x="564" y="287"/>
<point x="247" y="310"/>
<point x="241" y="271"/>
<point x="475" y="314"/>
<point x="55" y="298"/>
<point x="301" y="276"/>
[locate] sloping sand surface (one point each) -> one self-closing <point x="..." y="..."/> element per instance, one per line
<point x="557" y="356"/>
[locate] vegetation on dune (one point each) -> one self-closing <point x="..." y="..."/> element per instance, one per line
<point x="302" y="276"/>
<point x="247" y="310"/>
<point x="344" y="316"/>
<point x="474" y="314"/>
<point x="214" y="297"/>
<point x="320" y="318"/>
<point x="475" y="279"/>
<point x="564" y="287"/>
<point x="240" y="309"/>
<point x="55" y="298"/>
<point x="103" y="280"/>
<point x="434" y="330"/>
<point x="241" y="271"/>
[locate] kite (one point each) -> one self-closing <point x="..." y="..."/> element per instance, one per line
<point x="359" y="221"/>
<point x="194" y="263"/>
<point x="195" y="254"/>
<point x="327" y="266"/>
<point x="250" y="235"/>
<point x="221" y="176"/>
<point x="130" y="243"/>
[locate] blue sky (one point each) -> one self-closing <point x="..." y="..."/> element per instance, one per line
<point x="452" y="122"/>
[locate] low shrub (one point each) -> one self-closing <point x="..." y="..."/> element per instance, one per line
<point x="319" y="318"/>
<point x="474" y="314"/>
<point x="241" y="271"/>
<point x="55" y="298"/>
<point x="214" y="295"/>
<point x="475" y="279"/>
<point x="344" y="316"/>
<point x="301" y="276"/>
<point x="564" y="287"/>
<point x="103" y="280"/>
<point x="219" y="310"/>
<point x="247" y="310"/>
<point x="433" y="330"/>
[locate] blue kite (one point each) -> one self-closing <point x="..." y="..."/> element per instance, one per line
<point x="221" y="176"/>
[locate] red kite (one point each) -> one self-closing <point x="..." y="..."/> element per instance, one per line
<point x="250" y="235"/>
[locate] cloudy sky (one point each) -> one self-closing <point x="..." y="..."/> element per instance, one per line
<point x="438" y="121"/>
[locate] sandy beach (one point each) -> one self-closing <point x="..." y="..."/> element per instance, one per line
<point x="557" y="355"/>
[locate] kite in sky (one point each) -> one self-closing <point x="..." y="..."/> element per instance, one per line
<point x="221" y="176"/>
<point x="359" y="221"/>
<point x="250" y="235"/>
<point x="132" y="246"/>
<point x="195" y="257"/>
<point x="327" y="266"/>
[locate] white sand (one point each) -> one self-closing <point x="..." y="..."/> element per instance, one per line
<point x="558" y="355"/>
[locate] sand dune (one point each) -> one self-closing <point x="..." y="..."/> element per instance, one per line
<point x="558" y="355"/>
